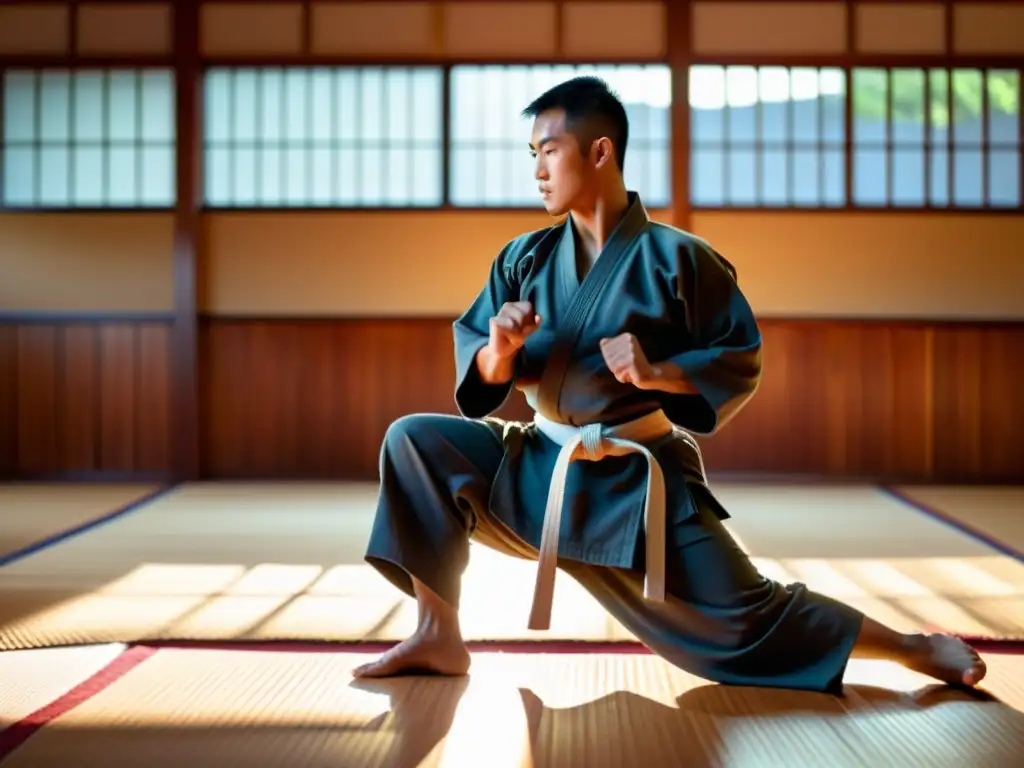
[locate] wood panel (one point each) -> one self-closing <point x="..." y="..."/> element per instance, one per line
<point x="890" y="401"/>
<point x="85" y="398"/>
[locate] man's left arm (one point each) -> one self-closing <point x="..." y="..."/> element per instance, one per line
<point x="703" y="387"/>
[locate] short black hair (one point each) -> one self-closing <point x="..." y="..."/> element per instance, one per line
<point x="591" y="110"/>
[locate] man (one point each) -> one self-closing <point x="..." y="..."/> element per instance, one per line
<point x="622" y="333"/>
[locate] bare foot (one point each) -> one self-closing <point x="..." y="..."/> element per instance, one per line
<point x="425" y="652"/>
<point x="945" y="658"/>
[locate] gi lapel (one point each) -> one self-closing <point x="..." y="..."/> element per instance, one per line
<point x="622" y="240"/>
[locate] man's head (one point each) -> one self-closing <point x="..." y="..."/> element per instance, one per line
<point x="579" y="137"/>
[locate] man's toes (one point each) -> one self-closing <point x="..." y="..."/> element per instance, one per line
<point x="373" y="669"/>
<point x="975" y="674"/>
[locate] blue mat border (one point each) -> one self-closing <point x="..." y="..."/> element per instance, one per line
<point x="952" y="522"/>
<point x="57" y="538"/>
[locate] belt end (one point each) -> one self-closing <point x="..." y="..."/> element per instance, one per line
<point x="654" y="592"/>
<point x="538" y="624"/>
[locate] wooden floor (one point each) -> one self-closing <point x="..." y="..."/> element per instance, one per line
<point x="91" y="674"/>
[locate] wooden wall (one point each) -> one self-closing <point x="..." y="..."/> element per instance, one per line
<point x="85" y="397"/>
<point x="890" y="400"/>
<point x="313" y="397"/>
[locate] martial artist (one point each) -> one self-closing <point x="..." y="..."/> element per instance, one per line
<point x="626" y="336"/>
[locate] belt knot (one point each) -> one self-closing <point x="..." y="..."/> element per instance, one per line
<point x="592" y="442"/>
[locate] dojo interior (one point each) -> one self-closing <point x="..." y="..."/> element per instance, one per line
<point x="233" y="239"/>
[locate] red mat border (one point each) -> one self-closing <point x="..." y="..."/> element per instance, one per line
<point x="16" y="734"/>
<point x="21" y="731"/>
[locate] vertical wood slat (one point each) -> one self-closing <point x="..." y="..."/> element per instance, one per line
<point x="184" y="369"/>
<point x="85" y="398"/>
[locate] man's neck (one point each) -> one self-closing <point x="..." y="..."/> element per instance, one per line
<point x="595" y="225"/>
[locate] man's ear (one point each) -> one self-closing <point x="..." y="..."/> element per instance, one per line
<point x="603" y="151"/>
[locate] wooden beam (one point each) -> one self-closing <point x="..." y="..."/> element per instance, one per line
<point x="184" y="341"/>
<point x="679" y="51"/>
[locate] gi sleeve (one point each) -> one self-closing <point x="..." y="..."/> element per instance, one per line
<point x="473" y="397"/>
<point x="723" y="359"/>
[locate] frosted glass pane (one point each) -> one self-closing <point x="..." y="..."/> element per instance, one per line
<point x="54" y="174"/>
<point x="19" y="106"/>
<point x="775" y="176"/>
<point x="88" y="107"/>
<point x="271" y="185"/>
<point x="834" y="193"/>
<point x="122" y="179"/>
<point x="244" y="107"/>
<point x="296" y="106"/>
<point x="1004" y="178"/>
<point x="465" y="180"/>
<point x="217" y="107"/>
<point x="346" y="90"/>
<point x="397" y="181"/>
<point x="347" y="173"/>
<point x="707" y="174"/>
<point x="395" y="105"/>
<point x="271" y="113"/>
<point x="870" y="177"/>
<point x="123" y="107"/>
<point x="742" y="165"/>
<point x="427" y="178"/>
<point x="968" y="85"/>
<point x="741" y="92"/>
<point x="968" y="188"/>
<point x="55" y="106"/>
<point x="322" y="93"/>
<point x="296" y="172"/>
<point x="908" y="177"/>
<point x="158" y="112"/>
<point x="321" y="186"/>
<point x="19" y="175"/>
<point x="426" y="104"/>
<point x="371" y="177"/>
<point x="806" y="180"/>
<point x="158" y="176"/>
<point x="1003" y="107"/>
<point x="218" y="178"/>
<point x="243" y="176"/>
<point x="939" y="187"/>
<point x="88" y="176"/>
<point x="371" y="105"/>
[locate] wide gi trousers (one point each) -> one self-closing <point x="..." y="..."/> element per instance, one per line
<point x="722" y="620"/>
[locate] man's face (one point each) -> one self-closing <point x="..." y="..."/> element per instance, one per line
<point x="562" y="170"/>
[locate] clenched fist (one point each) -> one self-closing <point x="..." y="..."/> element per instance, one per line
<point x="510" y="328"/>
<point x="626" y="360"/>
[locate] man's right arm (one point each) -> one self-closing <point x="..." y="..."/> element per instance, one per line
<point x="493" y="368"/>
<point x="483" y="381"/>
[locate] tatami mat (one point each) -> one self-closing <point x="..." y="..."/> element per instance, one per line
<point x="31" y="512"/>
<point x="994" y="512"/>
<point x="31" y="679"/>
<point x="252" y="708"/>
<point x="284" y="561"/>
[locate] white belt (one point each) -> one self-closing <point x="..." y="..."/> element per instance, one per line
<point x="594" y="442"/>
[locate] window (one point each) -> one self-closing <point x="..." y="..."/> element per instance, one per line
<point x="88" y="138"/>
<point x="767" y="136"/>
<point x="312" y="137"/>
<point x="945" y="138"/>
<point x="490" y="161"/>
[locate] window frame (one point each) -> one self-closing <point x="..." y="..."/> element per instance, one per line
<point x="537" y="206"/>
<point x="202" y="141"/>
<point x="73" y="69"/>
<point x="849" y="65"/>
